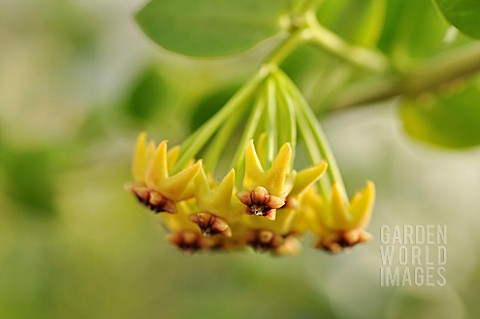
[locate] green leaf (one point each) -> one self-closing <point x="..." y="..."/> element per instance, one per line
<point x="413" y="30"/>
<point x="463" y="14"/>
<point x="449" y="119"/>
<point x="209" y="28"/>
<point x="29" y="180"/>
<point x="147" y="95"/>
<point x="359" y="22"/>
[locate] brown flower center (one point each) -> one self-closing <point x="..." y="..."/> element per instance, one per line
<point x="211" y="224"/>
<point x="259" y="202"/>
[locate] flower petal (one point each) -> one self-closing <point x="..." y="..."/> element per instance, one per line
<point x="140" y="157"/>
<point x="177" y="187"/>
<point x="307" y="177"/>
<point x="172" y="157"/>
<point x="341" y="217"/>
<point x="157" y="171"/>
<point x="361" y="205"/>
<point x="277" y="174"/>
<point x="202" y="189"/>
<point x="253" y="168"/>
<point x="222" y="197"/>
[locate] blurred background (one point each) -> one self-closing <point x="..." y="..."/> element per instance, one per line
<point x="78" y="81"/>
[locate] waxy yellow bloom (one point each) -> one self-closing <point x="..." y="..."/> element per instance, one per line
<point x="153" y="186"/>
<point x="266" y="191"/>
<point x="340" y="224"/>
<point x="216" y="205"/>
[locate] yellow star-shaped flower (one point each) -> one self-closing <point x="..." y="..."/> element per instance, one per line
<point x="216" y="205"/>
<point x="151" y="169"/>
<point x="183" y="233"/>
<point x="266" y="191"/>
<point x="340" y="224"/>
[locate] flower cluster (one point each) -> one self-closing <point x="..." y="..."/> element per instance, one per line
<point x="262" y="202"/>
<point x="274" y="206"/>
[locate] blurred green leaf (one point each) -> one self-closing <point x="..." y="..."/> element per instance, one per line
<point x="93" y="127"/>
<point x="147" y="95"/>
<point x="369" y="31"/>
<point x="450" y="119"/>
<point x="29" y="180"/>
<point x="211" y="27"/>
<point x="463" y="14"/>
<point x="359" y="22"/>
<point x="413" y="29"/>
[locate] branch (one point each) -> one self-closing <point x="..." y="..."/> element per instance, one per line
<point x="332" y="43"/>
<point x="440" y="70"/>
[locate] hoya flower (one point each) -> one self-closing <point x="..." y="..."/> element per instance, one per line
<point x="266" y="191"/>
<point x="154" y="184"/>
<point x="273" y="235"/>
<point x="183" y="233"/>
<point x="340" y="224"/>
<point x="216" y="205"/>
<point x="187" y="233"/>
<point x="280" y="236"/>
